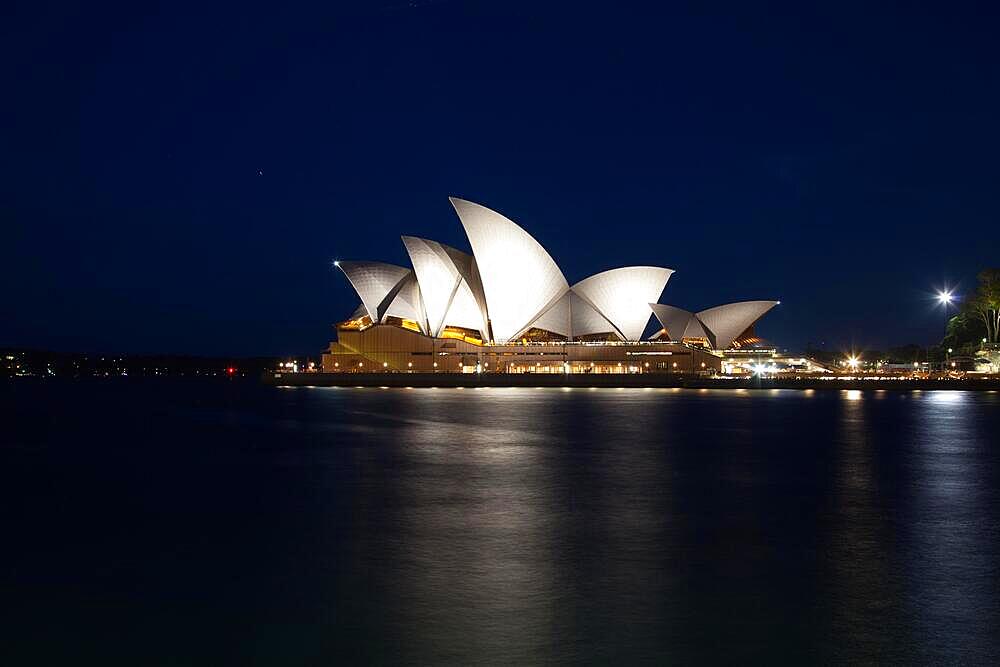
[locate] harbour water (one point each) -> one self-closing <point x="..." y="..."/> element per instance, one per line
<point x="178" y="522"/>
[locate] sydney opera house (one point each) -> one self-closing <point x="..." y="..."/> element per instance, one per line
<point x="507" y="308"/>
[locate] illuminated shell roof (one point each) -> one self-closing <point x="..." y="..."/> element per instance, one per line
<point x="437" y="276"/>
<point x="375" y="282"/>
<point x="406" y="303"/>
<point x="556" y="319"/>
<point x="465" y="311"/>
<point x="573" y="317"/>
<point x="679" y="323"/>
<point x="466" y="265"/>
<point x="586" y="320"/>
<point x="623" y="296"/>
<point x="520" y="279"/>
<point x="444" y="275"/>
<point x="511" y="284"/>
<point x="729" y="321"/>
<point x="720" y="325"/>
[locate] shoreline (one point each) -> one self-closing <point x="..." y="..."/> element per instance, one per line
<point x="650" y="380"/>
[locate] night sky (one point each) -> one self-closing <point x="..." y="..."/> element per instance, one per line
<point x="180" y="178"/>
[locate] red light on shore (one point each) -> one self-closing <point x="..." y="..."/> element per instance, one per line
<point x="231" y="370"/>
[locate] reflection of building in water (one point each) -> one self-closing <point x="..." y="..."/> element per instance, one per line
<point x="473" y="538"/>
<point x="508" y="308"/>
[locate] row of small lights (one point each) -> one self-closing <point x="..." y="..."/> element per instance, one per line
<point x="385" y="364"/>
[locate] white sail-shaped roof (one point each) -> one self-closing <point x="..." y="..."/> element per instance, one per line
<point x="586" y="320"/>
<point x="623" y="296"/>
<point x="556" y="319"/>
<point x="520" y="279"/>
<point x="472" y="285"/>
<point x="437" y="276"/>
<point x="375" y="283"/>
<point x="729" y="321"/>
<point x="573" y="317"/>
<point x="679" y="323"/>
<point x="406" y="303"/>
<point x="359" y="312"/>
<point x="464" y="311"/>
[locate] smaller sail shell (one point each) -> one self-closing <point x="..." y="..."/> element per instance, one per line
<point x="729" y="321"/>
<point x="375" y="282"/>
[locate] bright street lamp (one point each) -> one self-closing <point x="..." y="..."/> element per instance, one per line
<point x="945" y="298"/>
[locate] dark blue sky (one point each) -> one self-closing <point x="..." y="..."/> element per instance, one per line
<point x="179" y="178"/>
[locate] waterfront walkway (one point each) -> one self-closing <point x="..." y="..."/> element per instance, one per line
<point x="653" y="380"/>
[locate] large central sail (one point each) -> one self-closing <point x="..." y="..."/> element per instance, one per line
<point x="520" y="279"/>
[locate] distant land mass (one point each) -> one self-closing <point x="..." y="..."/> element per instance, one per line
<point x="19" y="362"/>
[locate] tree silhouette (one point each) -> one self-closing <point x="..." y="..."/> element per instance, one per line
<point x="984" y="302"/>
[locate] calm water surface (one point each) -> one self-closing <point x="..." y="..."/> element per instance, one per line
<point x="172" y="522"/>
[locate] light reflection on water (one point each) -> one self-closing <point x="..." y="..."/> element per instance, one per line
<point x="523" y="525"/>
<point x="644" y="513"/>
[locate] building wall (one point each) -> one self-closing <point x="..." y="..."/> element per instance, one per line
<point x="393" y="349"/>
